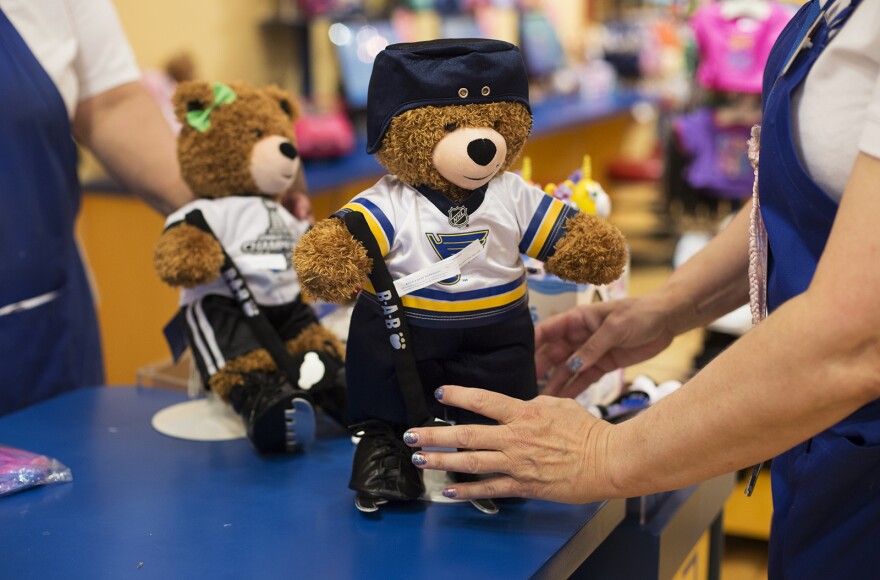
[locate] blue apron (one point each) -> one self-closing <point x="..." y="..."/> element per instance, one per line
<point x="826" y="491"/>
<point x="49" y="339"/>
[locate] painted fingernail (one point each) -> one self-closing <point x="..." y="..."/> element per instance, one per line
<point x="409" y="437"/>
<point x="419" y="459"/>
<point x="438" y="393"/>
<point x="575" y="364"/>
<point x="450" y="493"/>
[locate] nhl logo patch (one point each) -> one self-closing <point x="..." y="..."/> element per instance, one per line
<point x="458" y="217"/>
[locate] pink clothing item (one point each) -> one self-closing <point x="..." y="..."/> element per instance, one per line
<point x="734" y="51"/>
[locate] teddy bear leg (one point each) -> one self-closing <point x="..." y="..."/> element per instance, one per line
<point x="278" y="418"/>
<point x="318" y="353"/>
<point x="382" y="469"/>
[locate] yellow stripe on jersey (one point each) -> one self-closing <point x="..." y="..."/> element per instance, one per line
<point x="465" y="305"/>
<point x="375" y="227"/>
<point x="545" y="229"/>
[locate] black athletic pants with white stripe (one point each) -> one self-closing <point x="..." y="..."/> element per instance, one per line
<point x="217" y="330"/>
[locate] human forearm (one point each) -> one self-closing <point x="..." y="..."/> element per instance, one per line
<point x="799" y="372"/>
<point x="713" y="282"/>
<point x="125" y="130"/>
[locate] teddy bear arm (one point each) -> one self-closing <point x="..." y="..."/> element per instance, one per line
<point x="591" y="252"/>
<point x="330" y="263"/>
<point x="187" y="256"/>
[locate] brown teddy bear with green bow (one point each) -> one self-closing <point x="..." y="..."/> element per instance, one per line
<point x="254" y="341"/>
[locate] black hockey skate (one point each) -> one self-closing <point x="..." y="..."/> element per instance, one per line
<point x="277" y="417"/>
<point x="322" y="376"/>
<point x="382" y="469"/>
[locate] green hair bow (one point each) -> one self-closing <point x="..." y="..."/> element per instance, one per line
<point x="200" y="120"/>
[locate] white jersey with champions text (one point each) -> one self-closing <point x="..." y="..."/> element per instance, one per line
<point x="259" y="236"/>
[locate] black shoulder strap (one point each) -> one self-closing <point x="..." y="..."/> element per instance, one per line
<point x="399" y="336"/>
<point x="260" y="325"/>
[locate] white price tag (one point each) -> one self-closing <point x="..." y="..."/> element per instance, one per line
<point x="274" y="262"/>
<point x="448" y="268"/>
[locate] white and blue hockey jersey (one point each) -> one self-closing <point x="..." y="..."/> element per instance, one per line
<point x="416" y="227"/>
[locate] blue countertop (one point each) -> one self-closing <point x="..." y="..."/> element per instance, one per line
<point x="144" y="504"/>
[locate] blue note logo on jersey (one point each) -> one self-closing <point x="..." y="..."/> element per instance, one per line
<point x="446" y="245"/>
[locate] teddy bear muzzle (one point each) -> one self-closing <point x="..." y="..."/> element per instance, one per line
<point x="274" y="164"/>
<point x="470" y="157"/>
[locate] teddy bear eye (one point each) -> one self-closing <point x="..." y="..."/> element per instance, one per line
<point x="450" y="127"/>
<point x="258" y="133"/>
<point x="497" y="125"/>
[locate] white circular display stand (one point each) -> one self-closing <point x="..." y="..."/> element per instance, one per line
<point x="205" y="419"/>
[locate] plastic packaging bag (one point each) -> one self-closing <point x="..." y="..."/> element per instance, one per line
<point x="21" y="469"/>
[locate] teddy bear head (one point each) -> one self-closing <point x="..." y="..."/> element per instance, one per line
<point x="236" y="139"/>
<point x="448" y="114"/>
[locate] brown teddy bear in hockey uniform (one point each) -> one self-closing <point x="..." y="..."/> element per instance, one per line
<point x="254" y="341"/>
<point x="436" y="247"/>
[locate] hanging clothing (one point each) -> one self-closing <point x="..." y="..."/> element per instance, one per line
<point x="826" y="491"/>
<point x="718" y="161"/>
<point x="733" y="51"/>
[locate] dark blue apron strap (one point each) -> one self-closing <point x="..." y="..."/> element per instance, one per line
<point x="844" y="15"/>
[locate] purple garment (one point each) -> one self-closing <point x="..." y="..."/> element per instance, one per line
<point x="719" y="160"/>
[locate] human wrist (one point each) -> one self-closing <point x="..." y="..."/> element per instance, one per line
<point x="615" y="460"/>
<point x="678" y="311"/>
<point x="605" y="457"/>
<point x="621" y="455"/>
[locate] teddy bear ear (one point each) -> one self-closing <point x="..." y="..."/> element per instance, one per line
<point x="286" y="101"/>
<point x="191" y="96"/>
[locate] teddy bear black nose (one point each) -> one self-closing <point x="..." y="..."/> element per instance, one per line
<point x="288" y="150"/>
<point x="482" y="151"/>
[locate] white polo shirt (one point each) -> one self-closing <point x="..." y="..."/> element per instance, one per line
<point x="836" y="112"/>
<point x="80" y="44"/>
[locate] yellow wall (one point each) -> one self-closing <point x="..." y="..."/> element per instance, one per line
<point x="117" y="234"/>
<point x="223" y="36"/>
<point x="227" y="41"/>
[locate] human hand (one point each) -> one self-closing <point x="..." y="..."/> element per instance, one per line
<point x="584" y="343"/>
<point x="297" y="203"/>
<point x="547" y="448"/>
